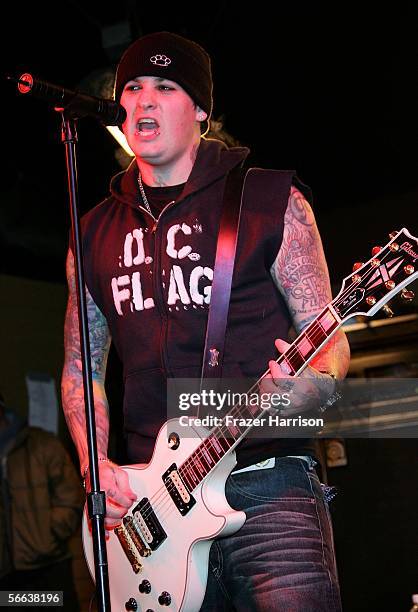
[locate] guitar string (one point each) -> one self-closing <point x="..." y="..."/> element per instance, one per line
<point x="189" y="470"/>
<point x="292" y="351"/>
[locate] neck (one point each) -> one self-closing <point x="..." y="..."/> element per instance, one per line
<point x="173" y="173"/>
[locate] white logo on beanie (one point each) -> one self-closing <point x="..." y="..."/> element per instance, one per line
<point x="160" y="60"/>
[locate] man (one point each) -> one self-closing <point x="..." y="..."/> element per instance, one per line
<point x="40" y="508"/>
<point x="149" y="255"/>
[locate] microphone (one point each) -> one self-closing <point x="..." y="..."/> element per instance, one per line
<point x="78" y="104"/>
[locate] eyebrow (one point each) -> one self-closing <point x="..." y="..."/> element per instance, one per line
<point x="156" y="79"/>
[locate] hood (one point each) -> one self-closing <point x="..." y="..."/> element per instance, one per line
<point x="214" y="159"/>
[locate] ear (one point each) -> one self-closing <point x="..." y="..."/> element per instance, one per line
<point x="201" y="115"/>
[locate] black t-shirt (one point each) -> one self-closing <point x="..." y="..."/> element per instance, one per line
<point x="159" y="197"/>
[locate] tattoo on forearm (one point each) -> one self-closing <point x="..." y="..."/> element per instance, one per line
<point x="72" y="380"/>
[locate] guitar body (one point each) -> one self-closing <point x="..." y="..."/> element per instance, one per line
<point x="179" y="566"/>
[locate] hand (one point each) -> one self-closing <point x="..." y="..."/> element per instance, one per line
<point x="307" y="391"/>
<point x="119" y="495"/>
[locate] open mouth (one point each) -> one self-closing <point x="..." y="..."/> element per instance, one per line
<point x="147" y="127"/>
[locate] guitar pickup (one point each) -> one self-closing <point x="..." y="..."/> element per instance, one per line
<point x="178" y="490"/>
<point x="148" y="525"/>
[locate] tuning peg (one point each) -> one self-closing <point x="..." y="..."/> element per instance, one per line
<point x="357" y="265"/>
<point x="376" y="250"/>
<point x="371" y="300"/>
<point x="406" y="295"/>
<point x="388" y="311"/>
<point x="392" y="234"/>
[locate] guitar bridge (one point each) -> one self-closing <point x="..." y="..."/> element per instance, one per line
<point x="129" y="548"/>
<point x="129" y="524"/>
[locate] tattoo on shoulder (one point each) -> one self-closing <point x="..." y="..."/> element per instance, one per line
<point x="300" y="270"/>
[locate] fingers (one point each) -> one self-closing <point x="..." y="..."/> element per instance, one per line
<point x="114" y="482"/>
<point x="281" y="345"/>
<point x="124" y="486"/>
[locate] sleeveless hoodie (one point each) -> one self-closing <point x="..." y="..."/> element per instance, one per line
<point x="152" y="282"/>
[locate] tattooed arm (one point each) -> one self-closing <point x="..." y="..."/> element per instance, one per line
<point x="112" y="479"/>
<point x="301" y="274"/>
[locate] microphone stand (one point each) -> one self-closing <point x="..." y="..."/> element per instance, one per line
<point x="96" y="499"/>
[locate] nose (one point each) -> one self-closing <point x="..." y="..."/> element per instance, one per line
<point x="147" y="99"/>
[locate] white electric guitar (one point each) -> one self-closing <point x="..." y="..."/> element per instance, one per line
<point x="158" y="557"/>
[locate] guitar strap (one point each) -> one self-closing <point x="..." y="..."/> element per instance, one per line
<point x="213" y="354"/>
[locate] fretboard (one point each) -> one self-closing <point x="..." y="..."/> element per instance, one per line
<point x="224" y="438"/>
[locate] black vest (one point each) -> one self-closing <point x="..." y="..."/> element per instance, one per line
<point x="153" y="286"/>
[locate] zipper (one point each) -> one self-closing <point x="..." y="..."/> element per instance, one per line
<point x="155" y="219"/>
<point x="157" y="286"/>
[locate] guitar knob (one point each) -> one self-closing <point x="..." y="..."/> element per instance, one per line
<point x="131" y="604"/>
<point x="357" y="265"/>
<point x="388" y="311"/>
<point x="408" y="296"/>
<point x="164" y="599"/>
<point x="145" y="587"/>
<point x="376" y="250"/>
<point x="173" y="440"/>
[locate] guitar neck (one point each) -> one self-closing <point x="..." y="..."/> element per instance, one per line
<point x="225" y="438"/>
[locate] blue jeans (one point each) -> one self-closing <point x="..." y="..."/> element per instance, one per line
<point x="282" y="559"/>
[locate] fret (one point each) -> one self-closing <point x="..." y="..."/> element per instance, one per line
<point x="295" y="358"/>
<point x="316" y="334"/>
<point x="286" y="365"/>
<point x="206" y="456"/>
<point x="188" y="471"/>
<point x="234" y="430"/>
<point x="199" y="464"/>
<point x="191" y="471"/>
<point x="327" y="321"/>
<point x="185" y="476"/>
<point x="305" y="346"/>
<point x="223" y="441"/>
<point x="217" y="451"/>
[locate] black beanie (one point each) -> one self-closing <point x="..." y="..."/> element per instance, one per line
<point x="169" y="56"/>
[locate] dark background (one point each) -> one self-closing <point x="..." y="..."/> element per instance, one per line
<point x="330" y="90"/>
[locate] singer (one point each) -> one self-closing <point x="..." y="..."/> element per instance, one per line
<point x="149" y="262"/>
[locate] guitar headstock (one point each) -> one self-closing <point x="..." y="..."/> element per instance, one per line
<point x="374" y="283"/>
